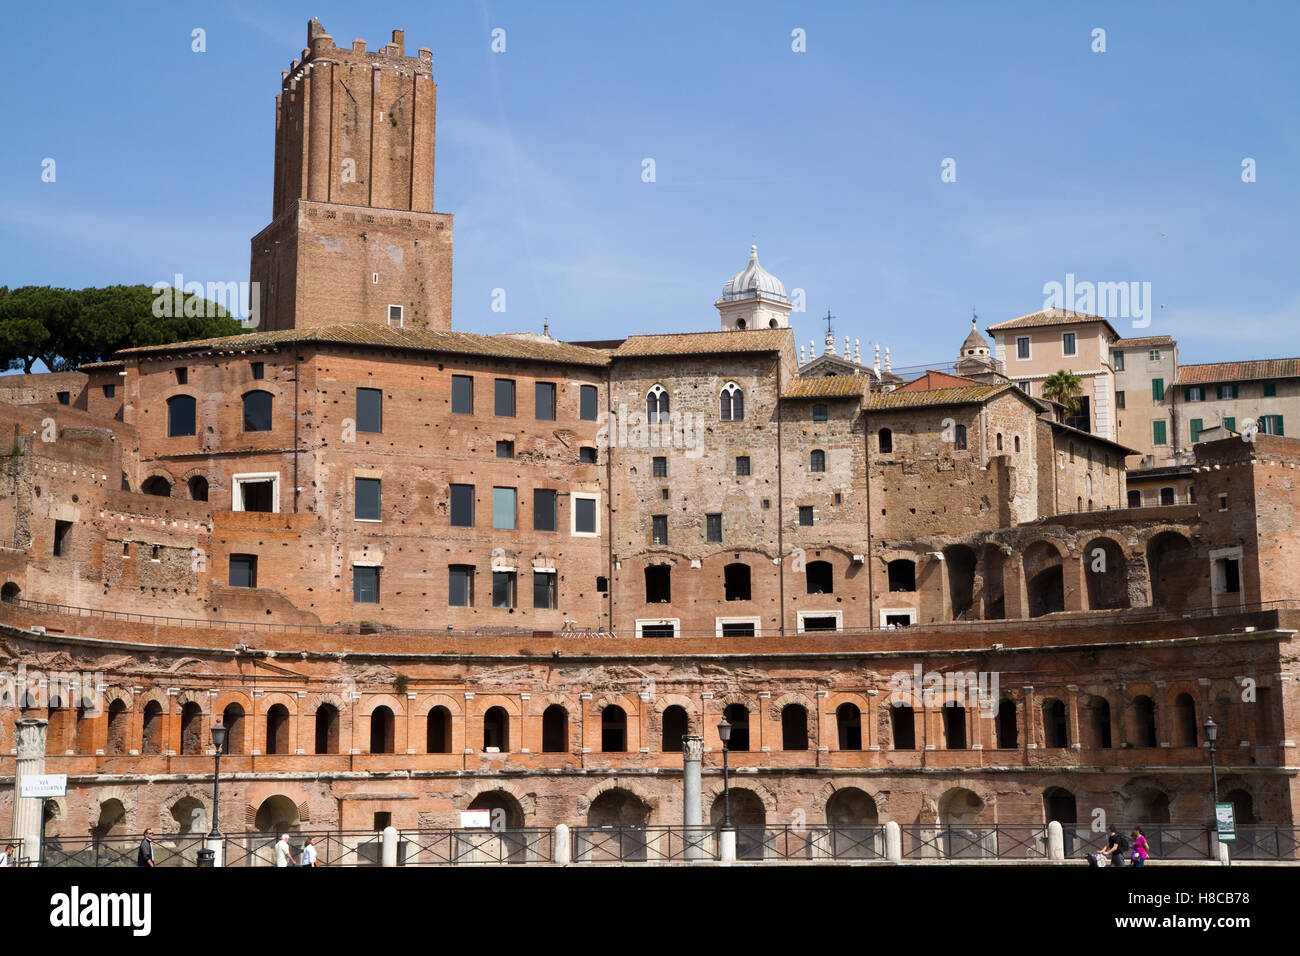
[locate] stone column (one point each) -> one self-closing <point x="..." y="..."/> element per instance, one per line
<point x="27" y="810"/>
<point x="692" y="803"/>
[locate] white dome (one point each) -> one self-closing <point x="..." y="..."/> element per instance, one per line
<point x="753" y="281"/>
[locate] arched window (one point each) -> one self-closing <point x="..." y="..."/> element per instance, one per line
<point x="1005" y="724"/>
<point x="1056" y="731"/>
<point x="327" y="729"/>
<point x="954" y="726"/>
<point x="738" y="716"/>
<point x="180" y="416"/>
<point x="886" y="440"/>
<point x="817" y="461"/>
<point x="191" y="729"/>
<point x="676" y="726"/>
<point x="902" y="575"/>
<point x="820" y="577"/>
<point x="1017" y="443"/>
<point x="1185" y="721"/>
<point x="736" y="582"/>
<point x="848" y="726"/>
<point x="613" y="730"/>
<point x="496" y="729"/>
<point x="656" y="405"/>
<point x="233" y="720"/>
<point x="733" y="403"/>
<point x="151" y="728"/>
<point x="381" y="730"/>
<point x="959" y="438"/>
<point x="117" y="721"/>
<point x="555" y="730"/>
<point x="277" y="729"/>
<point x="198" y="488"/>
<point x="1144" y="719"/>
<point x="158" y="486"/>
<point x="437" y="731"/>
<point x="902" y="724"/>
<point x="257" y="411"/>
<point x="794" y="727"/>
<point x="999" y="441"/>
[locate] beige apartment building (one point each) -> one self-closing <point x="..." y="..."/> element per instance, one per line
<point x="1245" y="397"/>
<point x="1145" y="369"/>
<point x="1032" y="347"/>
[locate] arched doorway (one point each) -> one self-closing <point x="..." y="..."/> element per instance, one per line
<point x="1177" y="580"/>
<point x="1106" y="574"/>
<point x="112" y="818"/>
<point x="748" y="819"/>
<point x="506" y="819"/>
<point x="1044" y="579"/>
<point x="960" y="562"/>
<point x="623" y="811"/>
<point x="276" y="815"/>
<point x="959" y="813"/>
<point x="1060" y="806"/>
<point x="437" y="730"/>
<point x="854" y="818"/>
<point x="190" y="816"/>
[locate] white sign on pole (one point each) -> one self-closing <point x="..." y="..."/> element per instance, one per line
<point x="475" y="819"/>
<point x="45" y="785"/>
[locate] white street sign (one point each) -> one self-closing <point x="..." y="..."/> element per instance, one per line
<point x="45" y="785"/>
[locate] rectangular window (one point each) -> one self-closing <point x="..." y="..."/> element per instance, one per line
<point x="505" y="449"/>
<point x="256" y="492"/>
<point x="1117" y="361"/>
<point x="544" y="590"/>
<point x="1022" y="346"/>
<point x="742" y="466"/>
<point x="1158" y="433"/>
<point x="462" y="506"/>
<point x="806" y="515"/>
<point x="1194" y="394"/>
<point x="180" y="415"/>
<point x="545" y="509"/>
<point x="584" y="514"/>
<point x="395" y="315"/>
<point x="1119" y="400"/>
<point x="1270" y="425"/>
<point x="370" y="410"/>
<point x="65" y="398"/>
<point x="1158" y="389"/>
<point x="659" y="466"/>
<point x="503" y="589"/>
<point x="658" y="529"/>
<point x="1068" y="344"/>
<point x="243" y="571"/>
<point x="182" y="376"/>
<point x="587" y="404"/>
<point x="1196" y="424"/>
<point x="462" y="395"/>
<point x="258" y="369"/>
<point x="460" y="585"/>
<point x="504" y="507"/>
<point x="586" y="455"/>
<point x="713" y="527"/>
<point x="819" y="413"/>
<point x="1153" y="355"/>
<point x="367" y="505"/>
<point x="544" y="393"/>
<point x="1270" y="389"/>
<point x="505" y="398"/>
<point x="61" y="531"/>
<point x="1227" y="391"/>
<point x="365" y="585"/>
<point x="110" y="391"/>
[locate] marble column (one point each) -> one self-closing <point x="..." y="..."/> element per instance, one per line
<point x="27" y="810"/>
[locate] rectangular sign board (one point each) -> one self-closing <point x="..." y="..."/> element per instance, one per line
<point x="45" y="785"/>
<point x="1226" y="821"/>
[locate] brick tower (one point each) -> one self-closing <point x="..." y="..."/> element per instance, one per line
<point x="353" y="235"/>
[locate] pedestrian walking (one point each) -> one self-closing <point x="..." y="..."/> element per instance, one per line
<point x="1116" y="846"/>
<point x="144" y="856"/>
<point x="284" y="852"/>
<point x="309" y="857"/>
<point x="7" y="857"/>
<point x="1140" y="849"/>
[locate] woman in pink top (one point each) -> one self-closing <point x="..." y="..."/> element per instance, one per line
<point x="1139" y="847"/>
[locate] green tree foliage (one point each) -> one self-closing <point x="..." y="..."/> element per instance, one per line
<point x="1064" y="387"/>
<point x="65" y="328"/>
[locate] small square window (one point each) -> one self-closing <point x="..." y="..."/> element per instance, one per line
<point x="259" y="369"/>
<point x="182" y="376"/>
<point x="819" y="413"/>
<point x="1270" y="389"/>
<point x="243" y="571"/>
<point x="806" y="515"/>
<point x="505" y="449"/>
<point x="110" y="391"/>
<point x="742" y="465"/>
<point x="767" y="503"/>
<point x="65" y="398"/>
<point x="365" y="585"/>
<point x="586" y="455"/>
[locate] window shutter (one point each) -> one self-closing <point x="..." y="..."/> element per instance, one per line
<point x="1197" y="424"/>
<point x="1230" y="423"/>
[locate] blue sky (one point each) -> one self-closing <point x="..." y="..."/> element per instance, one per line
<point x="1114" y="167"/>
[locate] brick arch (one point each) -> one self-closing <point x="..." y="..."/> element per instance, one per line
<point x="673" y="700"/>
<point x="127" y="796"/>
<point x="396" y="704"/>
<point x="760" y="790"/>
<point x="670" y="558"/>
<point x="831" y="787"/>
<point x="228" y="697"/>
<point x="117" y="693"/>
<point x="598" y="704"/>
<point x="526" y="799"/>
<point x="723" y="701"/>
<point x="794" y="697"/>
<point x="426" y="702"/>
<point x="271" y="698"/>
<point x="1145" y="535"/>
<point x="167" y="822"/>
<point x="190" y="696"/>
<point x="314" y="702"/>
<point x="726" y="555"/>
<point x="482" y="703"/>
<point x="586" y="799"/>
<point x="560" y="699"/>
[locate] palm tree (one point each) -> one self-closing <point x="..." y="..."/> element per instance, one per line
<point x="1064" y="388"/>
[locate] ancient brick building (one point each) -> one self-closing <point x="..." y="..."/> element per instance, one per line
<point x="417" y="571"/>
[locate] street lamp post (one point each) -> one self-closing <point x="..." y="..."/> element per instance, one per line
<point x="1211" y="735"/>
<point x="207" y="855"/>
<point x="724" y="734"/>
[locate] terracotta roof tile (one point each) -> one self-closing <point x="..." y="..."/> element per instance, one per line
<point x="828" y="386"/>
<point x="1238" y="371"/>
<point x="966" y="395"/>
<point x="705" y="343"/>
<point x="1045" y="317"/>
<point x="1145" y="342"/>
<point x="932" y="380"/>
<point x="382" y="336"/>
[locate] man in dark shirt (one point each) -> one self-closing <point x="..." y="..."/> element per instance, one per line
<point x="145" y="855"/>
<point x="1116" y="846"/>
